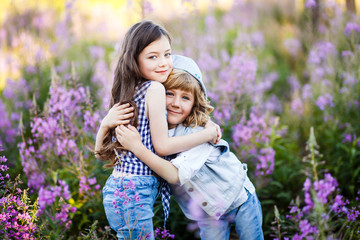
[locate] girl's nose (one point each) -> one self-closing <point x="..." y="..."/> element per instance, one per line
<point x="162" y="62"/>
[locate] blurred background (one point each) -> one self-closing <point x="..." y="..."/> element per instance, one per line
<point x="283" y="76"/>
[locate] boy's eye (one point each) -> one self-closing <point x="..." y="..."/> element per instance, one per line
<point x="169" y="94"/>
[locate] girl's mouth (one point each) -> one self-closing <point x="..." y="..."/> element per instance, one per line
<point x="161" y="72"/>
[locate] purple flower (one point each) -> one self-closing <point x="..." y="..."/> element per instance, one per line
<point x="242" y="134"/>
<point x="292" y="45"/>
<point x="92" y="181"/>
<point x="207" y="62"/>
<point x="136" y="197"/>
<point x="46" y="197"/>
<point x="147" y="7"/>
<point x="351" y="27"/>
<point x="257" y="39"/>
<point x="320" y="52"/>
<point x="294" y="83"/>
<point x="116" y="192"/>
<point x="324" y="101"/>
<point x="349" y="79"/>
<point x="240" y="75"/>
<point x="266" y="160"/>
<point x="338" y="202"/>
<point x="297" y="106"/>
<point x="294" y="209"/>
<point x="97" y="51"/>
<point x="84" y="187"/>
<point x="310" y="3"/>
<point x="347" y="54"/>
<point x="195" y="209"/>
<point x="91" y="121"/>
<point x="325" y="187"/>
<point x="306" y="228"/>
<point x="210" y="22"/>
<point x="222" y="113"/>
<point x="307" y="92"/>
<point x="130" y="185"/>
<point x="307" y="185"/>
<point x="349" y="138"/>
<point x="308" y="201"/>
<point x="272" y="104"/>
<point x="3" y="159"/>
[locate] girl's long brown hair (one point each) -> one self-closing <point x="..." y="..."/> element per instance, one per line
<point x="127" y="77"/>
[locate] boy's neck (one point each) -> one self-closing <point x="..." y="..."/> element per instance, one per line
<point x="172" y="126"/>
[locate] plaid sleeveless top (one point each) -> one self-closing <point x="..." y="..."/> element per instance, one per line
<point x="129" y="162"/>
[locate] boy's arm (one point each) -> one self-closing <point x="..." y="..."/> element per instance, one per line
<point x="130" y="139"/>
<point x="163" y="144"/>
<point x="117" y="115"/>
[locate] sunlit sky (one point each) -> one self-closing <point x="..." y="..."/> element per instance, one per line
<point x="107" y="20"/>
<point x="121" y="8"/>
<point x="112" y="17"/>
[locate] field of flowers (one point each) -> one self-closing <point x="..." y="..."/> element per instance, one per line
<point x="284" y="80"/>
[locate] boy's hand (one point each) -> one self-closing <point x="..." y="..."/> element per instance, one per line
<point x="214" y="127"/>
<point x="129" y="137"/>
<point x="118" y="115"/>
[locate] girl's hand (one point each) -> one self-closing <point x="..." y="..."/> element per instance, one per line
<point x="117" y="115"/>
<point x="215" y="129"/>
<point x="129" y="137"/>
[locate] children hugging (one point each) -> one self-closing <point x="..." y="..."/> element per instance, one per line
<point x="144" y="63"/>
<point x="208" y="177"/>
<point x="203" y="174"/>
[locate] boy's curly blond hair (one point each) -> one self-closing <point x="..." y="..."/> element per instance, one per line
<point x="199" y="115"/>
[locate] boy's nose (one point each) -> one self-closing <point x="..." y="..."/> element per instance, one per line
<point x="176" y="102"/>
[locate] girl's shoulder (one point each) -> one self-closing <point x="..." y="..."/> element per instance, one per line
<point x="155" y="89"/>
<point x="154" y="85"/>
<point x="149" y="88"/>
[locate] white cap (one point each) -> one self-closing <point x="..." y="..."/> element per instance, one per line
<point x="189" y="66"/>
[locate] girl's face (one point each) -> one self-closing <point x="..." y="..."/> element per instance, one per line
<point x="179" y="104"/>
<point x="155" y="60"/>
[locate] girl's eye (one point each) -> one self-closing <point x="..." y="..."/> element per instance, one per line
<point x="167" y="54"/>
<point x="186" y="98"/>
<point x="152" y="57"/>
<point x="169" y="94"/>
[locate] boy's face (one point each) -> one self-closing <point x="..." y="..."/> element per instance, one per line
<point x="179" y="104"/>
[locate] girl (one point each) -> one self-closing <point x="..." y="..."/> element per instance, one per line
<point x="129" y="193"/>
<point x="209" y="182"/>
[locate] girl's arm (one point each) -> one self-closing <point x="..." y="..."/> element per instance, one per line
<point x="117" y="115"/>
<point x="163" y="144"/>
<point x="132" y="142"/>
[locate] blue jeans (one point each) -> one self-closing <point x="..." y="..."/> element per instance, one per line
<point x="128" y="203"/>
<point x="247" y="219"/>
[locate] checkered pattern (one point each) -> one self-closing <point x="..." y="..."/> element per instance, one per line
<point x="166" y="192"/>
<point x="165" y="198"/>
<point x="130" y="163"/>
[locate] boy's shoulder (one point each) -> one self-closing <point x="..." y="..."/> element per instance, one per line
<point x="182" y="130"/>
